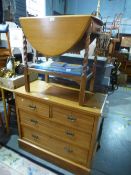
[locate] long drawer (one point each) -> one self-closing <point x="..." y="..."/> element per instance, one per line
<point x="62" y="132"/>
<point x="56" y="146"/>
<point x="73" y="119"/>
<point x="33" y="106"/>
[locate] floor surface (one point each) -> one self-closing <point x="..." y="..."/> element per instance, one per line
<point x="114" y="155"/>
<point x="12" y="163"/>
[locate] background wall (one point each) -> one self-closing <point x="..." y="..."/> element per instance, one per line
<point x="20" y="9"/>
<point x="108" y="10"/>
<point x="13" y="9"/>
<point x="1" y="12"/>
<point x="81" y="6"/>
<point x="55" y="5"/>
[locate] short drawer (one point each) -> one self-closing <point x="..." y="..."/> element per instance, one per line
<point x="32" y="106"/>
<point x="73" y="119"/>
<point x="62" y="132"/>
<point x="56" y="146"/>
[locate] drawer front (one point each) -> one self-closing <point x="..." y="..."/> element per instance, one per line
<point x="46" y="126"/>
<point x="73" y="119"/>
<point x="56" y="146"/>
<point x="33" y="106"/>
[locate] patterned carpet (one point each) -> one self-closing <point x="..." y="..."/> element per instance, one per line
<point x="12" y="163"/>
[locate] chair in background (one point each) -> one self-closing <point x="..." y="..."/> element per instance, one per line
<point x="5" y="48"/>
<point x="114" y="26"/>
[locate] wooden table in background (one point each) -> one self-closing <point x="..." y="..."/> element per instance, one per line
<point x="3" y="89"/>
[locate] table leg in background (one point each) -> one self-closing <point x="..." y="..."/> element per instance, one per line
<point x="5" y="112"/>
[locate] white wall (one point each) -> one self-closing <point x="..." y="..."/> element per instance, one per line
<point x="36" y="8"/>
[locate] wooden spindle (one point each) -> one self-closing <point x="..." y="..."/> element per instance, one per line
<point x="26" y="75"/>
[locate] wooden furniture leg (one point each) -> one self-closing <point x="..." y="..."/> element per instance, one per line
<point x="84" y="74"/>
<point x="46" y="75"/>
<point x="92" y="81"/>
<point x="5" y="112"/>
<point x="26" y="75"/>
<point x="82" y="90"/>
<point x="27" y="84"/>
<point x="8" y="40"/>
<point x="11" y="108"/>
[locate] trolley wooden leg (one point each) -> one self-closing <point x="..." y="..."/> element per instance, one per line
<point x="82" y="90"/>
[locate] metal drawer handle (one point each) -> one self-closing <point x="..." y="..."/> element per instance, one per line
<point x="69" y="133"/>
<point x="35" y="137"/>
<point x="34" y="121"/>
<point x="68" y="150"/>
<point x="32" y="107"/>
<point x="71" y="118"/>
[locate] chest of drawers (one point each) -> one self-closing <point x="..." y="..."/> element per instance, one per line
<point x="57" y="131"/>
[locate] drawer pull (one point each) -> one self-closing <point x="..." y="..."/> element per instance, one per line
<point x="32" y="107"/>
<point x="35" y="137"/>
<point x="69" y="133"/>
<point x="68" y="150"/>
<point x="71" y="118"/>
<point x="34" y="121"/>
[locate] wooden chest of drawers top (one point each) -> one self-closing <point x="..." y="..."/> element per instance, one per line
<point x="56" y="94"/>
